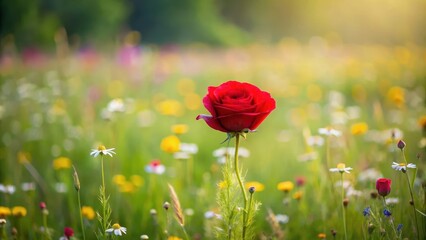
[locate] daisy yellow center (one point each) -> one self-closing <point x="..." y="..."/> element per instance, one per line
<point x="116" y="226"/>
<point x="101" y="148"/>
<point x="341" y="166"/>
<point x="402" y="164"/>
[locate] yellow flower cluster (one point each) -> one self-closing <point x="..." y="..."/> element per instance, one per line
<point x="125" y="186"/>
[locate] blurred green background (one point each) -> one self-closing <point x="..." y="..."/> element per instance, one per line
<point x="220" y="22"/>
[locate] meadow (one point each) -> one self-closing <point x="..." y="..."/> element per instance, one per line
<point x="335" y="103"/>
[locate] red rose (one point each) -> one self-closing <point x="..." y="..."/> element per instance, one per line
<point x="383" y="186"/>
<point x="236" y="107"/>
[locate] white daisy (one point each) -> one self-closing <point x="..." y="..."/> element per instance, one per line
<point x="315" y="141"/>
<point x="392" y="201"/>
<point x="9" y="189"/>
<point x="282" y="218"/>
<point x="190" y="148"/>
<point x="402" y="166"/>
<point x="117" y="230"/>
<point x="186" y="151"/>
<point x="328" y="131"/>
<point x="101" y="150"/>
<point x="341" y="167"/>
<point x="28" y="186"/>
<point x="222" y="153"/>
<point x="116" y="105"/>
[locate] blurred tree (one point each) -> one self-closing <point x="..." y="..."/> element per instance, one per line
<point x="24" y="20"/>
<point x="225" y="22"/>
<point x="184" y="21"/>
<point x="34" y="22"/>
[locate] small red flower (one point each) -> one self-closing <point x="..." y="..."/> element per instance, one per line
<point x="300" y="181"/>
<point x="42" y="205"/>
<point x="383" y="186"/>
<point x="68" y="232"/>
<point x="236" y="107"/>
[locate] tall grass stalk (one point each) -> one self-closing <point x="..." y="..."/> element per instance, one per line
<point x="77" y="188"/>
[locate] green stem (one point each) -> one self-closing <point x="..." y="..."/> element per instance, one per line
<point x="411" y="193"/>
<point x="328" y="154"/>
<point x="46" y="229"/>
<point x="237" y="173"/>
<point x="343" y="207"/>
<point x="249" y="206"/>
<point x="414" y="206"/>
<point x="3" y="232"/>
<point x="184" y="231"/>
<point x="104" y="220"/>
<point x="81" y="215"/>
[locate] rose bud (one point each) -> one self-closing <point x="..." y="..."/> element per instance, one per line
<point x="383" y="186"/>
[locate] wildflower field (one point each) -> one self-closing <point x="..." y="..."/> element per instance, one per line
<point x="106" y="144"/>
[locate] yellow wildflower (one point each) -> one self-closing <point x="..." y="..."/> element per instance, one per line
<point x="298" y="195"/>
<point x="127" y="187"/>
<point x="396" y="95"/>
<point x="61" y="163"/>
<point x="257" y="185"/>
<point x="222" y="184"/>
<point x="322" y="235"/>
<point x="170" y="144"/>
<point x="4" y="212"/>
<point x="286" y="186"/>
<point x="359" y="128"/>
<point x="88" y="212"/>
<point x="173" y="238"/>
<point x="119" y="179"/>
<point x="58" y="107"/>
<point x="170" y="107"/>
<point x="136" y="180"/>
<point x="422" y="121"/>
<point x="19" y="211"/>
<point x="179" y="129"/>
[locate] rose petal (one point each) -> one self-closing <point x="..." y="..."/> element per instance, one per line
<point x="212" y="122"/>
